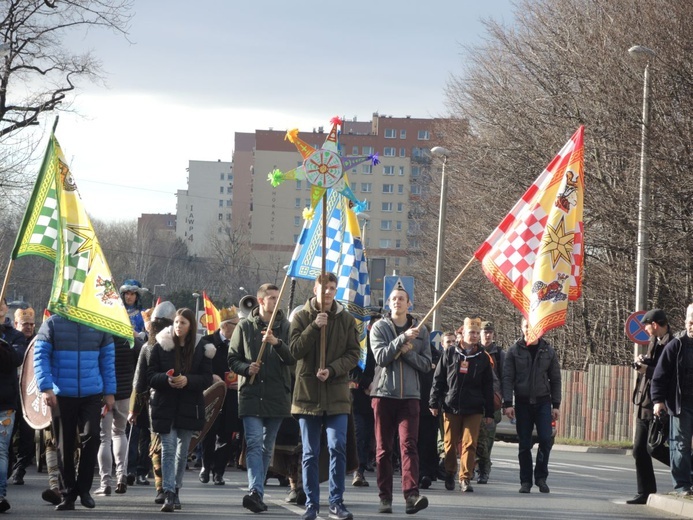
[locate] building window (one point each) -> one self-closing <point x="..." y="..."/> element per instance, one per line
<point x="228" y="217"/>
<point x="298" y="184"/>
<point x="400" y="189"/>
<point x="413" y="243"/>
<point x="387" y="207"/>
<point x="368" y="206"/>
<point x="390" y="133"/>
<point x="389" y="151"/>
<point x="307" y="204"/>
<point x="221" y="203"/>
<point x="386" y="225"/>
<point x="402" y="134"/>
<point x="388" y="170"/>
<point x="415" y="171"/>
<point x="388" y="188"/>
<point x="298" y="202"/>
<point x="366" y="187"/>
<point x="401" y="170"/>
<point x="415" y="189"/>
<point x="354" y="150"/>
<point x="221" y="176"/>
<point x="297" y="221"/>
<point x="400" y="207"/>
<point x="229" y="189"/>
<point x="221" y="216"/>
<point x="228" y="203"/>
<point x="423" y="135"/>
<point x="402" y="152"/>
<point x="385" y="243"/>
<point x="398" y="225"/>
<point x="221" y="189"/>
<point x="295" y="238"/>
<point x="367" y="150"/>
<point x="229" y="176"/>
<point x="398" y="244"/>
<point x="367" y="169"/>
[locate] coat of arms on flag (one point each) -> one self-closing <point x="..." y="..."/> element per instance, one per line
<point x="535" y="255"/>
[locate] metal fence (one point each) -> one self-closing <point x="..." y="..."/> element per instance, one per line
<point x="597" y="404"/>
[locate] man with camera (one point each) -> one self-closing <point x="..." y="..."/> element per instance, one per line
<point x="656" y="324"/>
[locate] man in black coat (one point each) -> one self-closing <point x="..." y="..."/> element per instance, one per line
<point x="217" y="444"/>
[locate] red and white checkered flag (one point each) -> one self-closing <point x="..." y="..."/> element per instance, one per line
<point x="535" y="255"/>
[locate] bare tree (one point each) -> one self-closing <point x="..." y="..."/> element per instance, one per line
<point x="518" y="99"/>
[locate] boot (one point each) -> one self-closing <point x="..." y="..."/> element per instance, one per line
<point x="176" y="500"/>
<point x="168" y="502"/>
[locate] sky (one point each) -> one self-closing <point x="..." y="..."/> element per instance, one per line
<point x="194" y="73"/>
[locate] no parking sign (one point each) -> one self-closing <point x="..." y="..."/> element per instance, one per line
<point x="635" y="330"/>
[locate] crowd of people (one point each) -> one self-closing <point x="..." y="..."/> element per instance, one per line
<point x="293" y="389"/>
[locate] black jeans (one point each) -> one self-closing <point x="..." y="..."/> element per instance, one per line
<point x="80" y="418"/>
<point x="365" y="428"/>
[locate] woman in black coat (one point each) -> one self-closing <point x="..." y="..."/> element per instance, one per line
<point x="178" y="373"/>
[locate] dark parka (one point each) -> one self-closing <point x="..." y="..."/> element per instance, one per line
<point x="669" y="374"/>
<point x="463" y="394"/>
<point x="641" y="393"/>
<point x="125" y="363"/>
<point x="270" y="393"/>
<point x="181" y="407"/>
<point x="535" y="381"/>
<point x="311" y="396"/>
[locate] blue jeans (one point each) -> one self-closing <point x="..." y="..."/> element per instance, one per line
<point x="311" y="429"/>
<point x="6" y="424"/>
<point x="174" y="455"/>
<point x="260" y="434"/>
<point x="680" y="432"/>
<point x="527" y="417"/>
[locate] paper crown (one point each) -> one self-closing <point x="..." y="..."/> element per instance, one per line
<point x="147" y="314"/>
<point x="24" y="314"/>
<point x="473" y="324"/>
<point x="228" y="314"/>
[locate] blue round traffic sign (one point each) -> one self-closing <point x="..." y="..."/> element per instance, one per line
<point x="635" y="330"/>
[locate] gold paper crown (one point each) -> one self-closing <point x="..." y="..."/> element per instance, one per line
<point x="228" y="314"/>
<point x="24" y="314"/>
<point x="147" y="314"/>
<point x="473" y="324"/>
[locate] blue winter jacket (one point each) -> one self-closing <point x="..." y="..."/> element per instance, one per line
<point x="74" y="360"/>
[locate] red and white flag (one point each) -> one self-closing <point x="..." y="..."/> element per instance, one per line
<point x="535" y="255"/>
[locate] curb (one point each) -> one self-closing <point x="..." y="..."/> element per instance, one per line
<point x="673" y="505"/>
<point x="592" y="449"/>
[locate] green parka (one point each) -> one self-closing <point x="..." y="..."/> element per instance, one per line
<point x="270" y="393"/>
<point x="311" y="396"/>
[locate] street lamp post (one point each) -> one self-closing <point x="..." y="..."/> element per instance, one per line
<point x="197" y="303"/>
<point x="641" y="280"/>
<point x="439" y="151"/>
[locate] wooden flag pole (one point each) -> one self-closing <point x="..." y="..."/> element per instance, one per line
<point x="269" y="326"/>
<point x="5" y="283"/>
<point x="443" y="296"/>
<point x="323" y="330"/>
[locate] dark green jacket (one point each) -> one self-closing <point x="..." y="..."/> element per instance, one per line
<point x="270" y="393"/>
<point x="311" y="396"/>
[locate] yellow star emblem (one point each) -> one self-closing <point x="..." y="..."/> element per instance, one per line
<point x="89" y="241"/>
<point x="557" y="243"/>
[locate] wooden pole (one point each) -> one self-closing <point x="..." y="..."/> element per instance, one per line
<point x="269" y="326"/>
<point x="443" y="296"/>
<point x="6" y="282"/>
<point x="323" y="330"/>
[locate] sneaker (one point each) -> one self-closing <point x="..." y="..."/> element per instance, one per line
<point x="425" y="482"/>
<point x="543" y="488"/>
<point x="310" y="514"/>
<point x="130" y="479"/>
<point x="525" y="487"/>
<point x="415" y="503"/>
<point x="141" y="480"/>
<point x="18" y="477"/>
<point x="176" y="500"/>
<point x="359" y="480"/>
<point x="254" y="503"/>
<point x="291" y="496"/>
<point x="121" y="488"/>
<point x="385" y="506"/>
<point x="449" y="481"/>
<point x="4" y="505"/>
<point x="681" y="493"/>
<point x="160" y="496"/>
<point x="103" y="491"/>
<point x="339" y="512"/>
<point x="301" y="499"/>
<point x="465" y="486"/>
<point x="204" y="476"/>
<point x="483" y="478"/>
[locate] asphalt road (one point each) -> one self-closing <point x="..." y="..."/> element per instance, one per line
<point x="583" y="485"/>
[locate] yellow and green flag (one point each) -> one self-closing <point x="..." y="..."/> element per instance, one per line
<point x="56" y="226"/>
